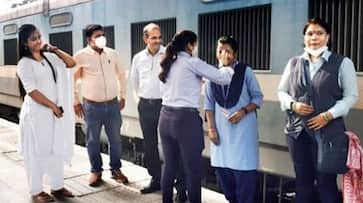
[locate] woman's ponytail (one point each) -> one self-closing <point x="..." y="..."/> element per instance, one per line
<point x="178" y="43"/>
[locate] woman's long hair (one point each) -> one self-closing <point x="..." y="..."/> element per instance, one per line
<point x="25" y="31"/>
<point x="178" y="43"/>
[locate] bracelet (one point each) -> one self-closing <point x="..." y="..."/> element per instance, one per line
<point x="245" y="110"/>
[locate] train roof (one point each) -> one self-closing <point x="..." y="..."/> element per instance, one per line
<point x="37" y="7"/>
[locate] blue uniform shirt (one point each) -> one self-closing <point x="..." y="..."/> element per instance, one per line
<point x="184" y="81"/>
<point x="238" y="148"/>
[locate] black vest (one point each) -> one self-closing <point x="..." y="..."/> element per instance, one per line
<point x="326" y="92"/>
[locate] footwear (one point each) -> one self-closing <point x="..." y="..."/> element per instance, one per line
<point x="62" y="193"/>
<point x="152" y="187"/>
<point x="181" y="197"/>
<point x="95" y="179"/>
<point x="119" y="177"/>
<point x="43" y="197"/>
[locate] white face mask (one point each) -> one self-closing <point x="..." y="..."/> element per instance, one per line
<point x="101" y="42"/>
<point x="316" y="52"/>
<point x="195" y="51"/>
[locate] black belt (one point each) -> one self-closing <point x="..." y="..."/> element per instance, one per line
<point x="100" y="102"/>
<point x="150" y="101"/>
<point x="177" y="108"/>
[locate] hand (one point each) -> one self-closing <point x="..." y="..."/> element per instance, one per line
<point x="302" y="109"/>
<point x="213" y="136"/>
<point x="78" y="110"/>
<point x="49" y="48"/>
<point x="319" y="121"/>
<point x="236" y="116"/>
<point x="122" y="103"/>
<point x="57" y="111"/>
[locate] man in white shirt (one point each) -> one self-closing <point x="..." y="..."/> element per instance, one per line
<point x="144" y="77"/>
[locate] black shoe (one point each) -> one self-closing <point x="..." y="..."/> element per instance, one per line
<point x="152" y="187"/>
<point x="181" y="197"/>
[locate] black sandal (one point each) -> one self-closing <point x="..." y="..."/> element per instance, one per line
<point x="62" y="193"/>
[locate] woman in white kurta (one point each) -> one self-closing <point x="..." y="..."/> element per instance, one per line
<point x="46" y="117"/>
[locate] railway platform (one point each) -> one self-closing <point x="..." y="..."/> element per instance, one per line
<point x="14" y="188"/>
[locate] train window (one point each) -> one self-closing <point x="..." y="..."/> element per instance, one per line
<point x="63" y="40"/>
<point x="345" y="18"/>
<point x="61" y="19"/>
<point x="109" y="34"/>
<point x="167" y="26"/>
<point x="10" y="29"/>
<point x="10" y="53"/>
<point x="251" y="27"/>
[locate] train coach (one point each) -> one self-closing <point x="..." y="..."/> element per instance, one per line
<point x="269" y="32"/>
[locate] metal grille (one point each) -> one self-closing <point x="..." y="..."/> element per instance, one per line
<point x="251" y="27"/>
<point x="62" y="40"/>
<point x="167" y="26"/>
<point x="10" y="53"/>
<point x="109" y="34"/>
<point x="346" y="20"/>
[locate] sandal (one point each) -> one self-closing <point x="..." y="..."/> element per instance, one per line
<point x="43" y="197"/>
<point x="62" y="193"/>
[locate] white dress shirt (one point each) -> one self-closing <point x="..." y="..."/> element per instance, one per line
<point x="144" y="73"/>
<point x="346" y="79"/>
<point x="184" y="81"/>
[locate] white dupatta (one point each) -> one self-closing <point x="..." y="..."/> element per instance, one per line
<point x="65" y="126"/>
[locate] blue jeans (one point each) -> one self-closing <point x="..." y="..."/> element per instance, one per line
<point x="108" y="115"/>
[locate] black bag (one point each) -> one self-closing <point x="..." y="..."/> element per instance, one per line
<point x="332" y="149"/>
<point x="332" y="153"/>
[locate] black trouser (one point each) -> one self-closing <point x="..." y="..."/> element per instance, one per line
<point x="238" y="186"/>
<point x="303" y="151"/>
<point x="182" y="139"/>
<point x="149" y="110"/>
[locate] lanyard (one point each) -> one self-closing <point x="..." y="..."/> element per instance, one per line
<point x="225" y="93"/>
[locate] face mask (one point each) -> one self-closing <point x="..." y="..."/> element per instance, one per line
<point x="100" y="42"/>
<point x="316" y="52"/>
<point x="195" y="51"/>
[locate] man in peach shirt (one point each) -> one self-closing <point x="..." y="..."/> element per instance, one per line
<point x="103" y="86"/>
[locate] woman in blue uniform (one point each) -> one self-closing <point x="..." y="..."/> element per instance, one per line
<point x="180" y="125"/>
<point x="232" y="127"/>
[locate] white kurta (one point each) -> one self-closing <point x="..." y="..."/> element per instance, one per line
<point x="46" y="142"/>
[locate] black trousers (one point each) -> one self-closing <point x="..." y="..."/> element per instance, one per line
<point x="303" y="151"/>
<point x="149" y="110"/>
<point x="238" y="186"/>
<point x="181" y="136"/>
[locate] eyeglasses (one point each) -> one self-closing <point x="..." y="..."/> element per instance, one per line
<point x="156" y="37"/>
<point x="318" y="33"/>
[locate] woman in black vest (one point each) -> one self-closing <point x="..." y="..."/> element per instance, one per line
<point x="316" y="90"/>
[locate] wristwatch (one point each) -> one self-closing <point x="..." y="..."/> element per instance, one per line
<point x="244" y="109"/>
<point x="291" y="106"/>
